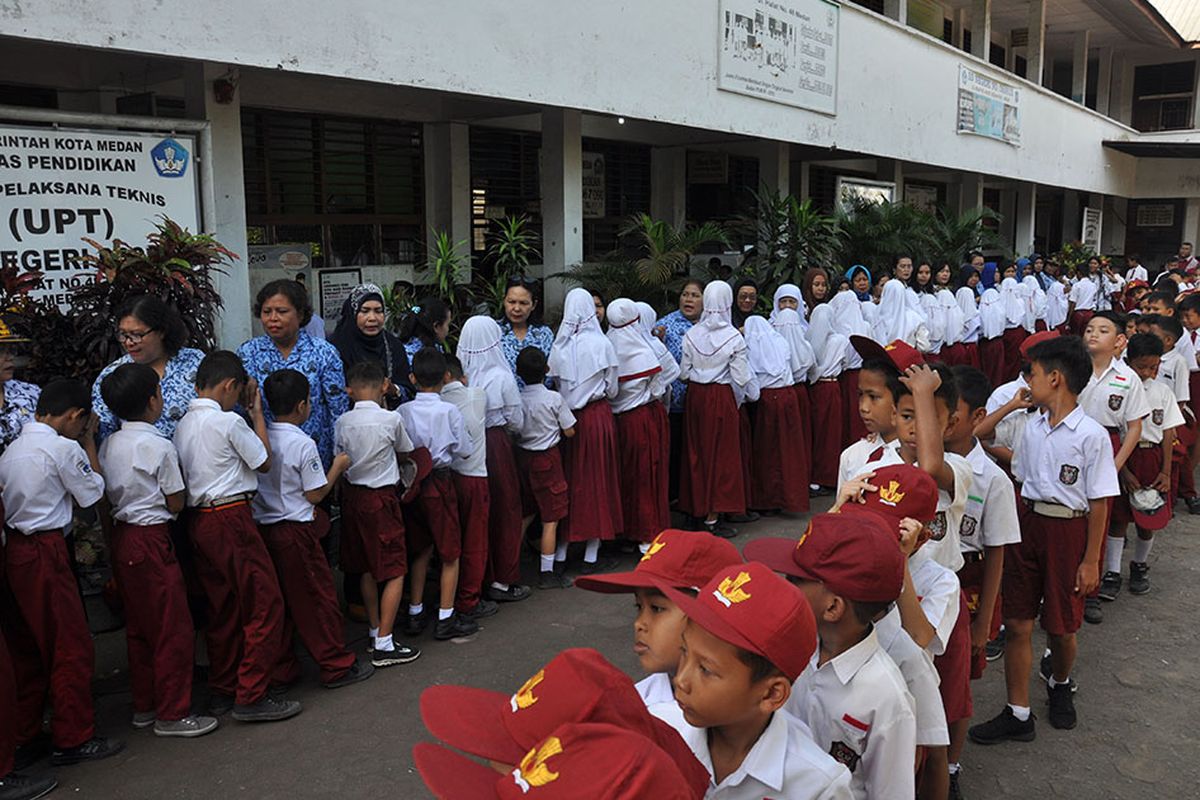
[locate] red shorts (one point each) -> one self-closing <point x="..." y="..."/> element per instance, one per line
<point x="1042" y="568"/>
<point x="1144" y="463"/>
<point x="970" y="577"/>
<point x="373" y="532"/>
<point x="542" y="479"/>
<point x="954" y="667"/>
<point x="434" y="517"/>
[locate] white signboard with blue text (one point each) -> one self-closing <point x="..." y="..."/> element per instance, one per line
<point x="59" y="187"/>
<point x="988" y="107"/>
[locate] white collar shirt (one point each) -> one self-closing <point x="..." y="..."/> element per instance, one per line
<point x="921" y="677"/>
<point x="546" y="417"/>
<point x="471" y="402"/>
<point x="944" y="547"/>
<point x="41" y="472"/>
<point x="372" y="437"/>
<point x="734" y="369"/>
<point x="1069" y="464"/>
<point x="436" y="425"/>
<point x="655" y="689"/>
<point x="1115" y="397"/>
<point x="295" y="469"/>
<point x="783" y="763"/>
<point x="218" y="452"/>
<point x="866" y="454"/>
<point x="859" y="710"/>
<point x="597" y="386"/>
<point x="633" y="393"/>
<point x="1164" y="411"/>
<point x="1187" y="346"/>
<point x="1137" y="273"/>
<point x="990" y="518"/>
<point x="143" y="469"/>
<point x="1005" y="392"/>
<point x="1173" y="371"/>
<point x="937" y="591"/>
<point x="1085" y="294"/>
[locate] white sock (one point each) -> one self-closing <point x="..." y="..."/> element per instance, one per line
<point x="445" y="613"/>
<point x="1046" y="653"/>
<point x="547" y="563"/>
<point x="1054" y="683"/>
<point x="592" y="550"/>
<point x="414" y="610"/>
<point x="644" y="548"/>
<point x="1112" y="557"/>
<point x="560" y="552"/>
<point x="373" y="633"/>
<point x="383" y="642"/>
<point x="954" y="768"/>
<point x="1020" y="712"/>
<point x="501" y="586"/>
<point x="1141" y="550"/>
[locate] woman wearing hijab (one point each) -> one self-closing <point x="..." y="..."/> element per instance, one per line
<point x="898" y="321"/>
<point x="788" y="324"/>
<point x="745" y="299"/>
<point x="779" y="469"/>
<point x="485" y="366"/>
<point x="1056" y="307"/>
<point x="362" y="335"/>
<point x="1085" y="297"/>
<point x="848" y="320"/>
<point x="953" y="351"/>
<point x="860" y="282"/>
<point x="583" y="364"/>
<point x="991" y="336"/>
<point x="1035" y="304"/>
<point x="931" y="309"/>
<point x="642" y="430"/>
<point x="987" y="278"/>
<point x="788" y="295"/>
<point x="817" y="290"/>
<point x="714" y="361"/>
<point x="968" y="277"/>
<point x="1014" y="327"/>
<point x="828" y="409"/>
<point x="965" y="297"/>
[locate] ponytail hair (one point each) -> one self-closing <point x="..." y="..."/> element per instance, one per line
<point x="420" y="321"/>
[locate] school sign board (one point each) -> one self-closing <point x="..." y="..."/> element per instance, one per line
<point x="988" y="107"/>
<point x="60" y="186"/>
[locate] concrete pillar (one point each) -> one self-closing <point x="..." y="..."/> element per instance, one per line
<point x="1195" y="99"/>
<point x="774" y="166"/>
<point x="804" y="184"/>
<point x="1123" y="95"/>
<point x="229" y="195"/>
<point x="1112" y="234"/>
<point x="981" y="28"/>
<point x="1035" y="51"/>
<point x="1104" y="79"/>
<point x="1072" y="216"/>
<point x="1010" y="53"/>
<point x="448" y="183"/>
<point x="892" y="171"/>
<point x="562" y="197"/>
<point x="1025" y="217"/>
<point x="958" y="23"/>
<point x="1008" y="213"/>
<point x="1191" y="222"/>
<point x="668" y="184"/>
<point x="971" y="193"/>
<point x="1079" y="58"/>
<point x="897" y="10"/>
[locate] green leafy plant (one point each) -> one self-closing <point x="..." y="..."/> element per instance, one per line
<point x="663" y="250"/>
<point x="952" y="236"/>
<point x="791" y="236"/>
<point x="512" y="246"/>
<point x="446" y="264"/>
<point x="874" y="233"/>
<point x="52" y="348"/>
<point x="1071" y="256"/>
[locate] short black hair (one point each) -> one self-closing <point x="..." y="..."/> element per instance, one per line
<point x="1115" y="317"/>
<point x="760" y="666"/>
<point x="127" y="390"/>
<point x="1160" y="296"/>
<point x="221" y="365"/>
<point x="429" y="367"/>
<point x="531" y="366"/>
<point x="295" y="293"/>
<point x="156" y="315"/>
<point x="866" y="613"/>
<point x="454" y="366"/>
<point x="63" y="395"/>
<point x="1169" y="324"/>
<point x="1164" y="285"/>
<point x="366" y="373"/>
<point x="1066" y="354"/>
<point x="947" y="392"/>
<point x="974" y="388"/>
<point x="1143" y="344"/>
<point x="285" y="389"/>
<point x="891" y="375"/>
<point x="1189" y="303"/>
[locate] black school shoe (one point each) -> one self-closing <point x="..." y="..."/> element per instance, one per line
<point x="1062" y="706"/>
<point x="15" y="786"/>
<point x="484" y="608"/>
<point x="552" y="580"/>
<point x="1110" y="586"/>
<point x="93" y="749"/>
<point x="1193" y="504"/>
<point x="399" y="654"/>
<point x="1046" y="671"/>
<point x="1003" y="727"/>
<point x="359" y="671"/>
<point x="415" y="624"/>
<point x="1139" y="578"/>
<point x="514" y="593"/>
<point x="1092" y="613"/>
<point x="994" y="650"/>
<point x="454" y="627"/>
<point x="598" y="566"/>
<point x="955" y="792"/>
<point x="32" y="752"/>
<point x="269" y="709"/>
<point x="719" y="528"/>
<point x="220" y="704"/>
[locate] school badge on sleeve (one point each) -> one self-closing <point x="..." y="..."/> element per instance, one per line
<point x="1068" y="474"/>
<point x="1115" y="400"/>
<point x="1157" y="416"/>
<point x="937" y="528"/>
<point x="844" y="754"/>
<point x="967" y="529"/>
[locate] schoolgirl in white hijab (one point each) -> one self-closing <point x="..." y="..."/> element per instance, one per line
<point x="952" y="352"/>
<point x="991" y="336"/>
<point x="1056" y="306"/>
<point x="788" y="323"/>
<point x="966" y="299"/>
<point x="848" y="320"/>
<point x="935" y="320"/>
<point x="828" y="409"/>
<point x="898" y="321"/>
<point x="647" y="316"/>
<point x="789" y="292"/>
<point x="1035" y="302"/>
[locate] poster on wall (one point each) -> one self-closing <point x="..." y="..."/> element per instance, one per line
<point x="920" y="196"/>
<point x="1092" y="221"/>
<point x="59" y="186"/>
<point x="593" y="186"/>
<point x="851" y="191"/>
<point x="785" y="51"/>
<point x="334" y="287"/>
<point x="988" y="107"/>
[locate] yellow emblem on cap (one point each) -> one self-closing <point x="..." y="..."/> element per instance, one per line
<point x="891" y="494"/>
<point x="655" y="546"/>
<point x="730" y="590"/>
<point x="890" y="347"/>
<point x="533" y="770"/>
<point x="524" y="697"/>
<point x="804" y="535"/>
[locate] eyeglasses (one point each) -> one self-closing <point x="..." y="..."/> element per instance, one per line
<point x="524" y="281"/>
<point x="132" y="337"/>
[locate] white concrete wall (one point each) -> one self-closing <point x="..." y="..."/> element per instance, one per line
<point x="657" y="61"/>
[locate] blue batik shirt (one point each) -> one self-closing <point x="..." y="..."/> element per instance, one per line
<point x="20" y="402"/>
<point x="538" y="336"/>
<point x="319" y="361"/>
<point x="415" y="345"/>
<point x="178" y="390"/>
<point x="676" y="326"/>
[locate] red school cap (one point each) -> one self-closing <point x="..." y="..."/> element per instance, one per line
<point x="899" y="353"/>
<point x="855" y="555"/>
<point x="751" y="607"/>
<point x="575" y="761"/>
<point x="577" y="686"/>
<point x="1034" y="340"/>
<point x="681" y="559"/>
<point x="904" y="491"/>
<point x="413" y="472"/>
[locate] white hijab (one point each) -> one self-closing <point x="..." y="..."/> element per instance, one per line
<point x="934" y="318"/>
<point x="713" y="337"/>
<point x="793" y="291"/>
<point x="580" y="348"/>
<point x="895" y="318"/>
<point x="769" y="353"/>
<point x="1035" y="302"/>
<point x="848" y="320"/>
<point x="1056" y="305"/>
<point x="991" y="315"/>
<point x="953" y="316"/>
<point x="483" y="361"/>
<point x="787" y="322"/>
<point x="829" y="347"/>
<point x="967" y="303"/>
<point x="1014" y="307"/>
<point x="635" y="354"/>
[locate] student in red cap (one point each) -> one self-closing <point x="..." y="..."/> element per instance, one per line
<point x="851" y="695"/>
<point x="749" y="635"/>
<point x="576" y="686"/>
<point x="879" y="388"/>
<point x="683" y="560"/>
<point x="573" y="761"/>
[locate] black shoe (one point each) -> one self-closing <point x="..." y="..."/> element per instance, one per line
<point x="483" y="609"/>
<point x="598" y="566"/>
<point x="454" y="627"/>
<point x="719" y="528"/>
<point x="93" y="749"/>
<point x="749" y="516"/>
<point x="1139" y="578"/>
<point x="220" y="704"/>
<point x="552" y="580"/>
<point x="399" y="654"/>
<point x="269" y="709"/>
<point x="1110" y="586"/>
<point x="359" y="671"/>
<point x="1092" y="613"/>
<point x="514" y="593"/>
<point x="1046" y="671"/>
<point x="1002" y="728"/>
<point x="15" y="786"/>
<point x="32" y="752"/>
<point x="1193" y="504"/>
<point x="995" y="648"/>
<point x="1062" y="706"/>
<point x="955" y="792"/>
<point x="819" y="491"/>
<point x="416" y="624"/>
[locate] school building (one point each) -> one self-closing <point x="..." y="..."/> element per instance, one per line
<point x="353" y="128"/>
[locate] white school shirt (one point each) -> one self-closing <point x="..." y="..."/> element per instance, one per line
<point x="546" y="417"/>
<point x="854" y="460"/>
<point x="471" y="402"/>
<point x="635" y="393"/>
<point x="921" y="677"/>
<point x="1005" y="392"/>
<point x="597" y="386"/>
<point x="503" y="405"/>
<point x="218" y="452"/>
<point x="437" y="426"/>
<point x="1164" y="411"/>
<point x="990" y="518"/>
<point x="1173" y="371"/>
<point x="295" y="469"/>
<point x="859" y="710"/>
<point x="41" y="472"/>
<point x="783" y="763"/>
<point x="736" y="370"/>
<point x="371" y="436"/>
<point x="937" y="591"/>
<point x="944" y="546"/>
<point x="1116" y="397"/>
<point x="142" y="468"/>
<point x="1085" y="294"/>
<point x="1187" y="346"/>
<point x="1137" y="273"/>
<point x="655" y="689"/>
<point x="1068" y="464"/>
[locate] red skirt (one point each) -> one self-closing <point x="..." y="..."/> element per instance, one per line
<point x="780" y="468"/>
<point x="853" y="428"/>
<point x="827" y="411"/>
<point x="972" y="354"/>
<point x="711" y="480"/>
<point x="991" y="356"/>
<point x="1079" y="321"/>
<point x="746" y="445"/>
<point x="805" y="406"/>
<point x="1012" y="351"/>
<point x="642" y="434"/>
<point x="953" y="355"/>
<point x="591" y="465"/>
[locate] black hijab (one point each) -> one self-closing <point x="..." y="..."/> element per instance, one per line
<point x="356" y="346"/>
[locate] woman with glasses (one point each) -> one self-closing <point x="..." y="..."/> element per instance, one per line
<point x="18" y="399"/>
<point x="152" y="333"/>
<point x="521" y="326"/>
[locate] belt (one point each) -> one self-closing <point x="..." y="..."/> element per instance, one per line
<point x="1053" y="510"/>
<point x="1149" y="444"/>
<point x="826" y="380"/>
<point x="972" y="557"/>
<point x="226" y="502"/>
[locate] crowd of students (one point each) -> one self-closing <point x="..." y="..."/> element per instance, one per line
<point x="987" y="455"/>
